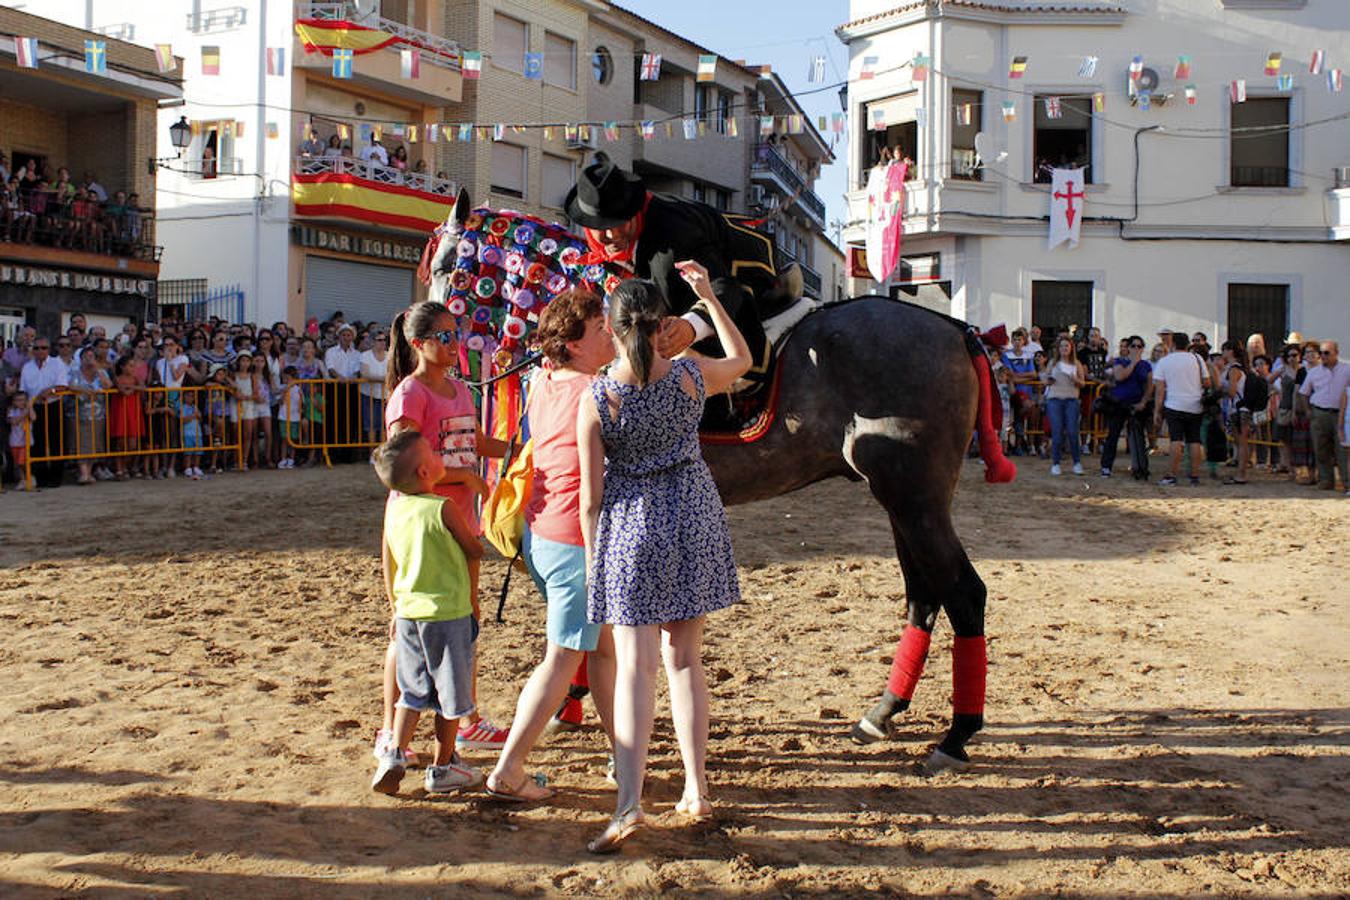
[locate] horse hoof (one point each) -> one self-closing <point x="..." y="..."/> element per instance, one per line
<point x="941" y="762"/>
<point x="864" y="732"/>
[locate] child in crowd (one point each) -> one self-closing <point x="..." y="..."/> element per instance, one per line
<point x="262" y="415"/>
<point x="20" y="435"/>
<point x="1004" y="376"/>
<point x="243" y="405"/>
<point x="290" y="417"/>
<point x="126" y="420"/>
<point x="434" y="615"/>
<point x="219" y="401"/>
<point x="190" y="422"/>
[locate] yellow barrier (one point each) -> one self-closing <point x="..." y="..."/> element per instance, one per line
<point x="1091" y="424"/>
<point x="145" y="422"/>
<point x="331" y="415"/>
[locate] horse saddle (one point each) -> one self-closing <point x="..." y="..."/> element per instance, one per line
<point x="746" y="412"/>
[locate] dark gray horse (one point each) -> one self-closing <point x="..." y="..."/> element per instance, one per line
<point x="886" y="392"/>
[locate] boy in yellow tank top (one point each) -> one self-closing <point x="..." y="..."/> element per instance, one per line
<point x="426" y="548"/>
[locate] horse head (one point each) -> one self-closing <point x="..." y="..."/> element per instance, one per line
<point x="441" y="246"/>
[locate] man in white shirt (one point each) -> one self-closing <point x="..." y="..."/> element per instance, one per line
<point x="42" y="377"/>
<point x="1034" y="344"/>
<point x="375" y="153"/>
<point x="343" y="362"/>
<point x="1325" y="387"/>
<point x="92" y="186"/>
<point x="1179" y="380"/>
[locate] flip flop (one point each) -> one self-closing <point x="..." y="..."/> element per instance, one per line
<point x="620" y="829"/>
<point x="518" y="794"/>
<point x="1233" y="481"/>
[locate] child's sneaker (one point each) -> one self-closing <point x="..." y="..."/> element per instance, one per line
<point x="389" y="773"/>
<point x="384" y="740"/>
<point x="481" y="735"/>
<point x="451" y="777"/>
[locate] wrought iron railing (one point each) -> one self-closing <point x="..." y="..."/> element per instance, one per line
<point x="205" y="169"/>
<point x="222" y="19"/>
<point x="441" y="51"/>
<point x="768" y="159"/>
<point x="375" y="173"/>
<point x="811" y="280"/>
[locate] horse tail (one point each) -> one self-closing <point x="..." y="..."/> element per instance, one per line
<point x="998" y="469"/>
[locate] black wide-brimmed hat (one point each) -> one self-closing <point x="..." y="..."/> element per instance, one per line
<point x="605" y="195"/>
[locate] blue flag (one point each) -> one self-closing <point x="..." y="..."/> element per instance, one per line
<point x="96" y="56"/>
<point x="342" y="63"/>
<point x="534" y="65"/>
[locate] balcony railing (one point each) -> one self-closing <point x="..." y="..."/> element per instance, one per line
<point x="374" y="172"/>
<point x="225" y="18"/>
<point x="811" y="280"/>
<point x="441" y="51"/>
<point x="207" y="169"/>
<point x="768" y="159"/>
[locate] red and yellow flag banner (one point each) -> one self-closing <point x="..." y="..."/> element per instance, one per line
<point x="346" y="196"/>
<point x="326" y="35"/>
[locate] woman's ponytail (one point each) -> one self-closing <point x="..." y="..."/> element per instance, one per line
<point x="636" y="308"/>
<point x="417" y="322"/>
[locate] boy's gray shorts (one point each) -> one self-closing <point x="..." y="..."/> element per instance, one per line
<point x="435" y="665"/>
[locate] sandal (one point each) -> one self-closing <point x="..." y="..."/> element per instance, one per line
<point x="621" y="827"/>
<point x="1234" y="481"/>
<point x="531" y="789"/>
<point x="696" y="809"/>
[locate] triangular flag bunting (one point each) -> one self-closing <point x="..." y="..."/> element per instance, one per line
<point x="648" y="129"/>
<point x="1284" y="82"/>
<point x="1334" y="83"/>
<point x="707" y="66"/>
<point x="690" y="129"/>
<point x="1053" y="108"/>
<point x="273" y="131"/>
<point x="731" y="127"/>
<point x="1136" y="68"/>
<point x="765" y="126"/>
<point x="878" y="118"/>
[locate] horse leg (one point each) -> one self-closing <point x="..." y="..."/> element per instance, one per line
<point x="938" y="576"/>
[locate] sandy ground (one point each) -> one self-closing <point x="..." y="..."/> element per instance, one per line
<point x="191" y="684"/>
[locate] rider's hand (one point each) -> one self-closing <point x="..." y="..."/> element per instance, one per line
<point x="675" y="336"/>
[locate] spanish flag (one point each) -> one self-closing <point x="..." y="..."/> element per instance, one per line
<point x="325" y="36"/>
<point x="347" y="196"/>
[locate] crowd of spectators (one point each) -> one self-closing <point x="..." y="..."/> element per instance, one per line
<point x="1237" y="407"/>
<point x="387" y="166"/>
<point x="45" y="206"/>
<point x="168" y="398"/>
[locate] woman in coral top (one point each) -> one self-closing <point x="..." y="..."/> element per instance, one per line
<point x="574" y="338"/>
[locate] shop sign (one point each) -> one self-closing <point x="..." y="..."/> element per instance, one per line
<point x="360" y="245"/>
<point x="78" y="281"/>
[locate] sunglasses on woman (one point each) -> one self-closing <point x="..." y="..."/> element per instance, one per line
<point x="447" y="338"/>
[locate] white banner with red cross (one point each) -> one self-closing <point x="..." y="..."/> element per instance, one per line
<point x="1066" y="207"/>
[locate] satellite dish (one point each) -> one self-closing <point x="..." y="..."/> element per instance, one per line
<point x="986" y="151"/>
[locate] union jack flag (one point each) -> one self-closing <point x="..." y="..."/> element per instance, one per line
<point x="1053" y="108"/>
<point x="651" y="67"/>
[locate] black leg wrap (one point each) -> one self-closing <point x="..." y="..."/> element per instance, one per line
<point x="578" y="691"/>
<point x="964" y="726"/>
<point x="876" y="725"/>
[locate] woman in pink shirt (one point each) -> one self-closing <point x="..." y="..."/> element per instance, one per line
<point x="575" y="339"/>
<point x="424" y="395"/>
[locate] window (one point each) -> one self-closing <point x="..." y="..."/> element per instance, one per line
<point x="560" y="174"/>
<point x="508" y="170"/>
<point x="216" y="151"/>
<point x="701" y="92"/>
<point x="722" y="199"/>
<point x="1056" y="305"/>
<point x="723" y="111"/>
<point x="1258" y="309"/>
<point x="560" y="61"/>
<point x="602" y="65"/>
<point x="967" y="113"/>
<point x="1063" y="143"/>
<point x="700" y="193"/>
<point x="509" y="40"/>
<point x="901" y="135"/>
<point x="1259" y="143"/>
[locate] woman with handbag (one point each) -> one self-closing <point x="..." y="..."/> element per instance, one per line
<point x="577" y="343"/>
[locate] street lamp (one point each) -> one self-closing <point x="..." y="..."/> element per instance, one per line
<point x="180" y="133"/>
<point x="843" y="98"/>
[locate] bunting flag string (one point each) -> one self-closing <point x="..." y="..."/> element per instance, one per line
<point x="1273" y="61"/>
<point x="1099" y="101"/>
<point x="1315" y="65"/>
<point x="534" y="66"/>
<point x="1088" y="68"/>
<point x="816" y="73"/>
<point x="869" y="68"/>
<point x="1334" y="83"/>
<point x="96" y="57"/>
<point x="1284" y="82"/>
<point x="26" y="52"/>
<point x="1136" y="69"/>
<point x="1053" y="108"/>
<point x="1237" y="90"/>
<point x="342" y="63"/>
<point x="472" y="65"/>
<point x="651" y="67"/>
<point x="1183" y="69"/>
<point x="210" y="60"/>
<point x="164" y="58"/>
<point x="1190" y="95"/>
<point x="707" y="67"/>
<point x="1018" y="67"/>
<point x="919" y="69"/>
<point x="276" y="61"/>
<point x="410" y="62"/>
<point x="1009" y="111"/>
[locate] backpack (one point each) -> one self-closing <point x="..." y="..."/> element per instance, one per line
<point x="1255" y="393"/>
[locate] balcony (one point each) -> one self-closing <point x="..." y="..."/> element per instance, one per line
<point x="769" y="165"/>
<point x="1338" y="204"/>
<point x="341" y="187"/>
<point x="811" y="280"/>
<point x="438" y="84"/>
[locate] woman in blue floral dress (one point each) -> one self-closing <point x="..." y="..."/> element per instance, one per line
<point x="658" y="551"/>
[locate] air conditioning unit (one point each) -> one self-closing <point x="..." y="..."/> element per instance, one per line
<point x="1341" y="176"/>
<point x="577" y="143"/>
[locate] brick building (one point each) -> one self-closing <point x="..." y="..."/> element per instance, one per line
<point x="104" y="123"/>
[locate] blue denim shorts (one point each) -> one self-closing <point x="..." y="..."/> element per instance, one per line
<point x="435" y="665"/>
<point x="559" y="571"/>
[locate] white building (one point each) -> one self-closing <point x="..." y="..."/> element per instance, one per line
<point x="1190" y="222"/>
<point x="248" y="220"/>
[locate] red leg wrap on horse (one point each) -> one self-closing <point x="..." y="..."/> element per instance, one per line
<point x="997" y="467"/>
<point x="907" y="665"/>
<point x="970" y="663"/>
<point x="581" y="678"/>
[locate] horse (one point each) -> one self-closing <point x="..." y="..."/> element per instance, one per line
<point x="877" y="390"/>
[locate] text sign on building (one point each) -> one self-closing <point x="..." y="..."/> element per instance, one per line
<point x="359" y="245"/>
<point x="78" y="281"/>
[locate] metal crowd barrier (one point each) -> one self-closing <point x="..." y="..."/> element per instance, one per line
<point x="80" y="425"/>
<point x="1091" y="424"/>
<point x="333" y="415"/>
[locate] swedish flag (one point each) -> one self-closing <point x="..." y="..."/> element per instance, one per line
<point x="342" y="63"/>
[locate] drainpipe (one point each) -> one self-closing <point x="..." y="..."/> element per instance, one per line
<point x="260" y="151"/>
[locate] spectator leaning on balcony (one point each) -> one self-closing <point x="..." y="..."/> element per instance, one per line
<point x="375" y="153"/>
<point x="311" y="145"/>
<point x="1324" y="387"/>
<point x="334" y="147"/>
<point x="91" y="185"/>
